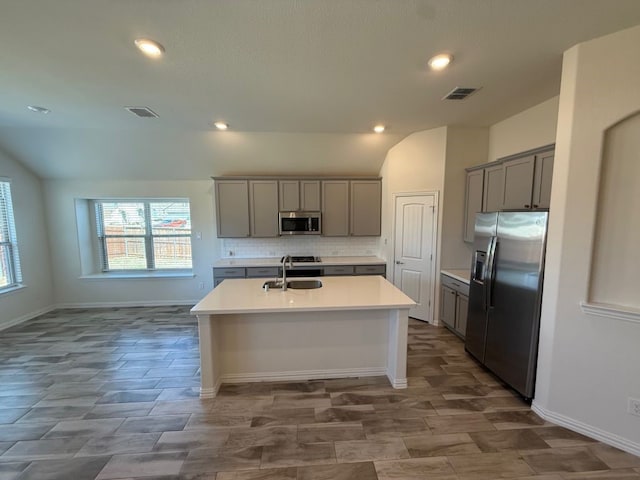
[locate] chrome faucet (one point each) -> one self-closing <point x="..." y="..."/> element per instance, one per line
<point x="284" y="270"/>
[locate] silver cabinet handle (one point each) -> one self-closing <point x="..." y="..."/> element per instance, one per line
<point x="398" y="262"/>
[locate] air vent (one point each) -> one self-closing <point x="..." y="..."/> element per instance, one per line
<point x="143" y="112"/>
<point x="460" y="93"/>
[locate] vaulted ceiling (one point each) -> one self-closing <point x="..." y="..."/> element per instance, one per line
<point x="301" y="83"/>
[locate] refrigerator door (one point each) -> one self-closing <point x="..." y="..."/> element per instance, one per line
<point x="485" y="232"/>
<point x="514" y="313"/>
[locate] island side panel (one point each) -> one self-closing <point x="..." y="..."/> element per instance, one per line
<point x="397" y="360"/>
<point x="303" y="345"/>
<point x="208" y="336"/>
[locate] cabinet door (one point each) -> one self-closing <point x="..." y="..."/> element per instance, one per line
<point x="473" y="202"/>
<point x="263" y="199"/>
<point x="335" y="208"/>
<point x="366" y="198"/>
<point x="289" y="193"/>
<point x="518" y="182"/>
<point x="462" y="306"/>
<point x="493" y="188"/>
<point x="542" y="180"/>
<point x="310" y="195"/>
<point x="232" y="208"/>
<point x="448" y="307"/>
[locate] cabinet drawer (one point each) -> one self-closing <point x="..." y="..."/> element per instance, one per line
<point x="370" y="269"/>
<point x="257" y="272"/>
<point x="234" y="272"/>
<point x="338" y="270"/>
<point x="454" y="284"/>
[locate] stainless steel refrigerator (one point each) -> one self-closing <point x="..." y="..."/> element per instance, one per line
<point x="505" y="293"/>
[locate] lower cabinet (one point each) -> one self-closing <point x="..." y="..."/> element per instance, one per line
<point x="454" y="303"/>
<point x="222" y="273"/>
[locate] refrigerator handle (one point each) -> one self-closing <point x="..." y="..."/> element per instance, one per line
<point x="488" y="275"/>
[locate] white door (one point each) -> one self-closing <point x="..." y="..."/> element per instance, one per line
<point x="413" y="273"/>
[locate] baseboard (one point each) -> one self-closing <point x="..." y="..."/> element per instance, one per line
<point x="210" y="392"/>
<point x="26" y="317"/>
<point x="135" y="303"/>
<point x="587" y="430"/>
<point x="302" y="375"/>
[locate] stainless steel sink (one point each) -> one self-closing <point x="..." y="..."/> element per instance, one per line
<point x="294" y="284"/>
<point x="272" y="284"/>
<point x="304" y="284"/>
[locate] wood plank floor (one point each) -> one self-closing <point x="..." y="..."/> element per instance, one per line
<point x="113" y="393"/>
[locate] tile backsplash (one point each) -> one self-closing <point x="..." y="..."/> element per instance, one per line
<point x="299" y="245"/>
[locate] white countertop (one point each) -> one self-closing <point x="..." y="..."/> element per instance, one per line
<point x="337" y="293"/>
<point x="275" y="262"/>
<point x="461" y="275"/>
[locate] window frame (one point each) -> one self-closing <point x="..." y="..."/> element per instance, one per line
<point x="13" y="256"/>
<point x="148" y="236"/>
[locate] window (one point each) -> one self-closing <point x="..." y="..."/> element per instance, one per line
<point x="144" y="234"/>
<point x="10" y="275"/>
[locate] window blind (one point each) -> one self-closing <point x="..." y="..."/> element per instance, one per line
<point x="10" y="272"/>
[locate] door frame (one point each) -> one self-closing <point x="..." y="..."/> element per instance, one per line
<point x="434" y="241"/>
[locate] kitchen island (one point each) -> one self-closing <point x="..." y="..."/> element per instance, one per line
<point x="350" y="327"/>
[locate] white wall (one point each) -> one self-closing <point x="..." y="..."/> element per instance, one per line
<point x="529" y="129"/>
<point x="465" y="147"/>
<point x="31" y="232"/>
<point x="70" y="289"/>
<point x="416" y="164"/>
<point x="589" y="365"/>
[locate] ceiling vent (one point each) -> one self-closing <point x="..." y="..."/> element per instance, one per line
<point x="460" y="93"/>
<point x="142" y="112"/>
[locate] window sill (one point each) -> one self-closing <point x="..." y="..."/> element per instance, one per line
<point x="137" y="275"/>
<point x="618" y="312"/>
<point x="13" y="289"/>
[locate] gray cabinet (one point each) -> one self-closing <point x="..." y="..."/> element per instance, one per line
<point x="335" y="270"/>
<point x="454" y="304"/>
<point x="518" y="182"/>
<point x="263" y="203"/>
<point x="299" y="195"/>
<point x="448" y="307"/>
<point x="473" y="202"/>
<point x="366" y="200"/>
<point x="493" y="188"/>
<point x="232" y="208"/>
<point x="335" y="208"/>
<point x="542" y="176"/>
<point x="220" y="274"/>
<point x="371" y="270"/>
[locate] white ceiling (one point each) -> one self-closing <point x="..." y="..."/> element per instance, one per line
<point x="293" y="78"/>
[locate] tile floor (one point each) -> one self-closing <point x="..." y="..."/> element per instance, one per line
<point x="113" y="393"/>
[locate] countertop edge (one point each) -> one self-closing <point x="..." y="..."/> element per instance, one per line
<point x="460" y="275"/>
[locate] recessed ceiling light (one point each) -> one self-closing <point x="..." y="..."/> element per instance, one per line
<point x="221" y="125"/>
<point x="440" y="62"/>
<point x="149" y="47"/>
<point x="37" y="109"/>
<point x="379" y="128"/>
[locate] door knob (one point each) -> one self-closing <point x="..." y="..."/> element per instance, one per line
<point x="398" y="262"/>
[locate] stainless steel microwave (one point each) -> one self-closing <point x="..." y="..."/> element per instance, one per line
<point x="300" y="223"/>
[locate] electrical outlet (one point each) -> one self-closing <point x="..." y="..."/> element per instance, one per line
<point x="634" y="406"/>
<point x="201" y="286"/>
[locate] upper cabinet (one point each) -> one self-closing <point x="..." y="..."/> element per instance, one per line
<point x="299" y="195"/>
<point x="248" y="207"/>
<point x="335" y="208"/>
<point x="542" y="179"/>
<point x="517" y="182"/>
<point x="232" y="208"/>
<point x="263" y="208"/>
<point x="366" y="199"/>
